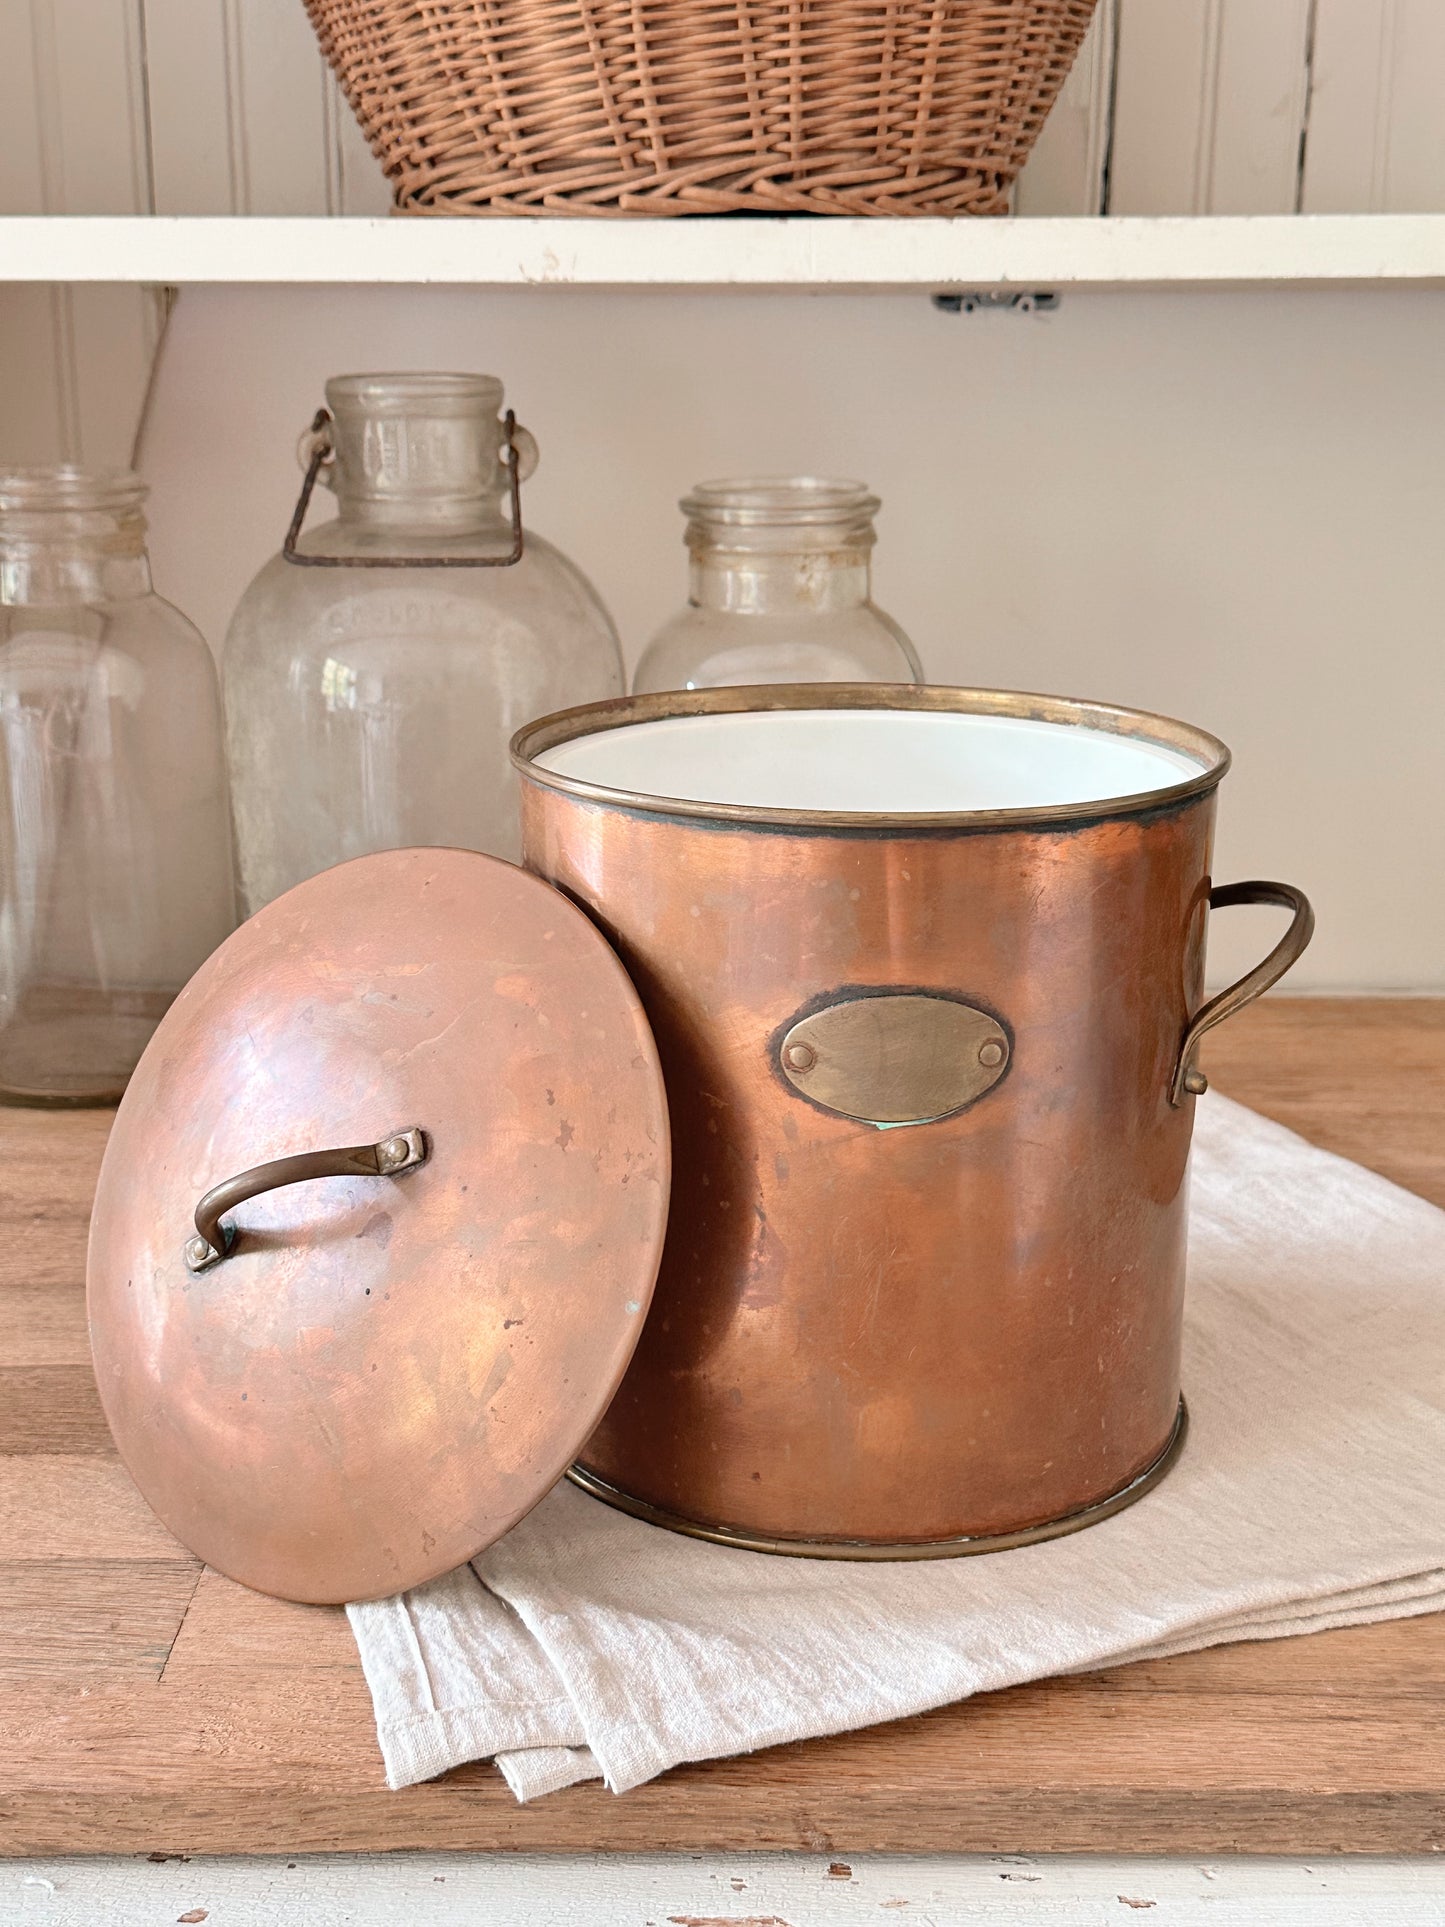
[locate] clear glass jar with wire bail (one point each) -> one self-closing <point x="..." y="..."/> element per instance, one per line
<point x="115" y="858"/>
<point x="779" y="591"/>
<point x="377" y="667"/>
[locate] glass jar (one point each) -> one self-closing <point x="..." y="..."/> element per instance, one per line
<point x="374" y="678"/>
<point x="779" y="590"/>
<point x="115" y="857"/>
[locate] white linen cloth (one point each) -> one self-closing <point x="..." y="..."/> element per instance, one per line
<point x="1310" y="1493"/>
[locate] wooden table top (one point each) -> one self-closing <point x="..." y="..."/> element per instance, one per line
<point x="148" y="1705"/>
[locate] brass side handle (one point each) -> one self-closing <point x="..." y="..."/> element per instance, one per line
<point x="1188" y="1078"/>
<point x="388" y="1158"/>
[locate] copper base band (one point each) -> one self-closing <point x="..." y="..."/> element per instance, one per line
<point x="924" y="1549"/>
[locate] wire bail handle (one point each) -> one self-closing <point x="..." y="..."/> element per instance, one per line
<point x="317" y="451"/>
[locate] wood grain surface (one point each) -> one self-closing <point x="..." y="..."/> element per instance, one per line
<point x="147" y="1705"/>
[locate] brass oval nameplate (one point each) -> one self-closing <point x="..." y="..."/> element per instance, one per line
<point x="900" y="1057"/>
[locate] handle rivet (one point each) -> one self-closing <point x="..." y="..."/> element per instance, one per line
<point x="1196" y="1083"/>
<point x="800" y="1057"/>
<point x="990" y="1054"/>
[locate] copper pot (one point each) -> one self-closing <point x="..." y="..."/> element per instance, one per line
<point x="924" y="968"/>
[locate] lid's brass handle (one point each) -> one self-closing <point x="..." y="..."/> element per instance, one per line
<point x="389" y="1158"/>
<point x="1187" y="1075"/>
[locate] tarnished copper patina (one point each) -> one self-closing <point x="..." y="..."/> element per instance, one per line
<point x="337" y="1372"/>
<point x="871" y="1336"/>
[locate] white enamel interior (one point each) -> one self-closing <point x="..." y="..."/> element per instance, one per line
<point x="884" y="761"/>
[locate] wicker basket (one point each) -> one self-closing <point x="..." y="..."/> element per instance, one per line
<point x="701" y="106"/>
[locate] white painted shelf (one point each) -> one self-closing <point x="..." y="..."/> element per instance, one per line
<point x="1191" y="251"/>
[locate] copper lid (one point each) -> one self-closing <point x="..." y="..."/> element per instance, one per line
<point x="358" y="1381"/>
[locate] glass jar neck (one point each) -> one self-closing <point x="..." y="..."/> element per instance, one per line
<point x="417" y="453"/>
<point x="71" y="535"/>
<point x="799" y="547"/>
<point x="803" y="583"/>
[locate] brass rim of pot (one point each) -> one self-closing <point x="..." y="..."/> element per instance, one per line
<point x="590" y="719"/>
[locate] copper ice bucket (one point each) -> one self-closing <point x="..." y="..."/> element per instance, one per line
<point x="924" y="968"/>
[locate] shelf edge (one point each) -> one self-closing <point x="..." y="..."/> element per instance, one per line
<point x="777" y="254"/>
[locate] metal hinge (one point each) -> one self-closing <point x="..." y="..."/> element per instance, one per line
<point x="1031" y="301"/>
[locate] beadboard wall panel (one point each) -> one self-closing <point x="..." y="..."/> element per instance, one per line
<point x="196" y="166"/>
<point x="285" y="137"/>
<point x="245" y="116"/>
<point x="1376" y="135"/>
<point x="22" y="145"/>
<point x="1209" y="106"/>
<point x="90" y="82"/>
